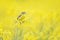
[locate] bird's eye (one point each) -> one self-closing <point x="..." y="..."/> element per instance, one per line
<point x="23" y="12"/>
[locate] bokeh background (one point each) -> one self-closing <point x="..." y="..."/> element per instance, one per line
<point x="41" y="21"/>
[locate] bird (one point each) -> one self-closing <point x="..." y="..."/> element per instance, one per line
<point x="21" y="17"/>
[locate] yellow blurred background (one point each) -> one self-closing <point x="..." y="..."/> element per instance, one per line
<point x="41" y="22"/>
